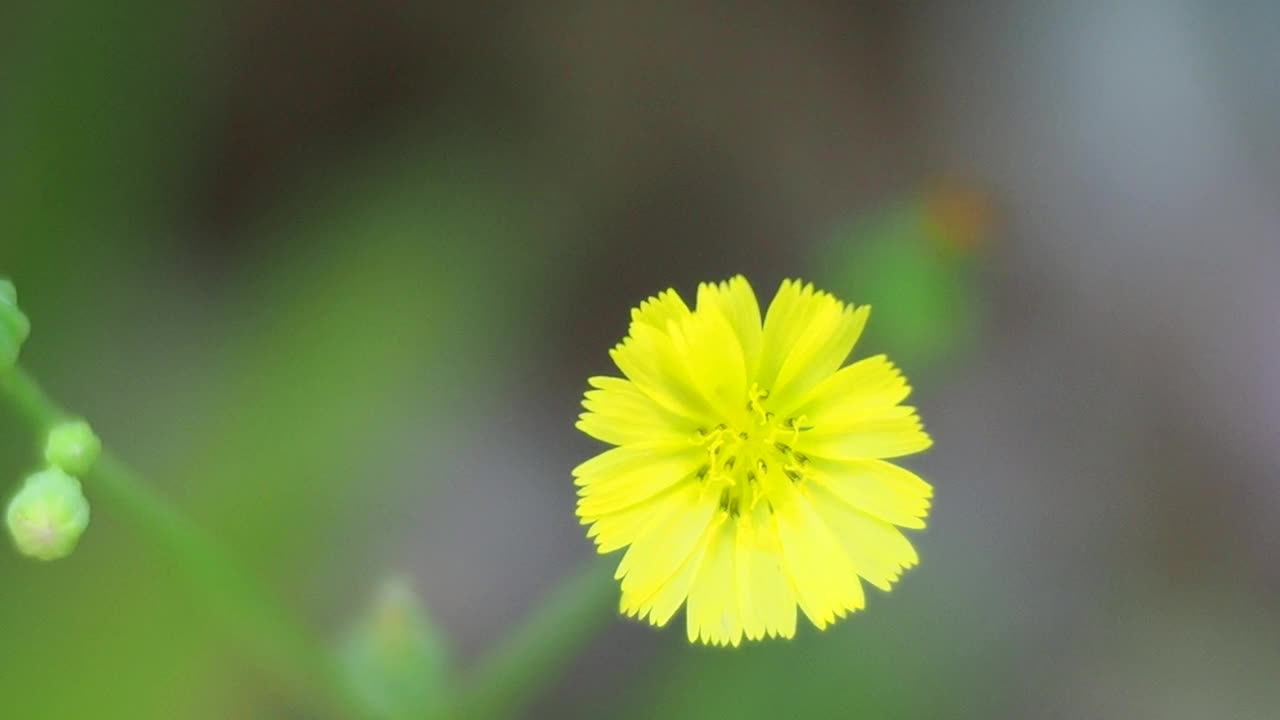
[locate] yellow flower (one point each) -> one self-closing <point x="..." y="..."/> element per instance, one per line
<point x="749" y="475"/>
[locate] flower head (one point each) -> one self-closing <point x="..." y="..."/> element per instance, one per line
<point x="750" y="472"/>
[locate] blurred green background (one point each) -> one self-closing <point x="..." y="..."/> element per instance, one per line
<point x="332" y="275"/>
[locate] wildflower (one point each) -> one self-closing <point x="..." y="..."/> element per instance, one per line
<point x="48" y="515"/>
<point x="750" y="474"/>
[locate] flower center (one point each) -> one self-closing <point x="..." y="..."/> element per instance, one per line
<point x="741" y="454"/>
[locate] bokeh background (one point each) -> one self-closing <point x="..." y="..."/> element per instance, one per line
<point x="332" y="275"/>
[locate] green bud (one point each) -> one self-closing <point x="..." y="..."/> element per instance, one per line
<point x="394" y="662"/>
<point x="73" y="447"/>
<point x="48" y="515"/>
<point x="14" y="326"/>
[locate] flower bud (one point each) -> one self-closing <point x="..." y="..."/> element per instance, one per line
<point x="14" y="326"/>
<point x="48" y="515"/>
<point x="72" y="447"/>
<point x="394" y="660"/>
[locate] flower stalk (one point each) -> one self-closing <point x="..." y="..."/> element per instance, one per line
<point x="528" y="660"/>
<point x="397" y="673"/>
<point x="260" y="624"/>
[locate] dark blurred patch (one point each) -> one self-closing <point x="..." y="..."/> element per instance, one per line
<point x="308" y="84"/>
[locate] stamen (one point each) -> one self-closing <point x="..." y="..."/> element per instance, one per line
<point x="756" y="395"/>
<point x="797" y="424"/>
<point x="725" y="445"/>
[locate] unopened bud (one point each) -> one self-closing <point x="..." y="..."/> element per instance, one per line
<point x="72" y="447"/>
<point x="14" y="326"/>
<point x="394" y="660"/>
<point x="48" y="515"/>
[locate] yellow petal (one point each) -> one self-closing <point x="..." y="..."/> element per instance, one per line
<point x="619" y="491"/>
<point x="664" y="545"/>
<point x="818" y="352"/>
<point x="807" y="335"/>
<point x="825" y="584"/>
<point x="764" y="590"/>
<point x="784" y="321"/>
<point x="712" y="613"/>
<point x="651" y="360"/>
<point x="714" y="358"/>
<point x="660" y="605"/>
<point x="885" y="433"/>
<point x="875" y="487"/>
<point x="868" y="384"/>
<point x="660" y="310"/>
<point x="617" y="530"/>
<point x="877" y="550"/>
<point x="619" y="413"/>
<point x="625" y="459"/>
<point x="735" y="301"/>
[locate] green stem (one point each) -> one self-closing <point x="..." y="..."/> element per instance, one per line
<point x="265" y="629"/>
<point x="538" y="651"/>
<point x="30" y="399"/>
<point x="503" y="684"/>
